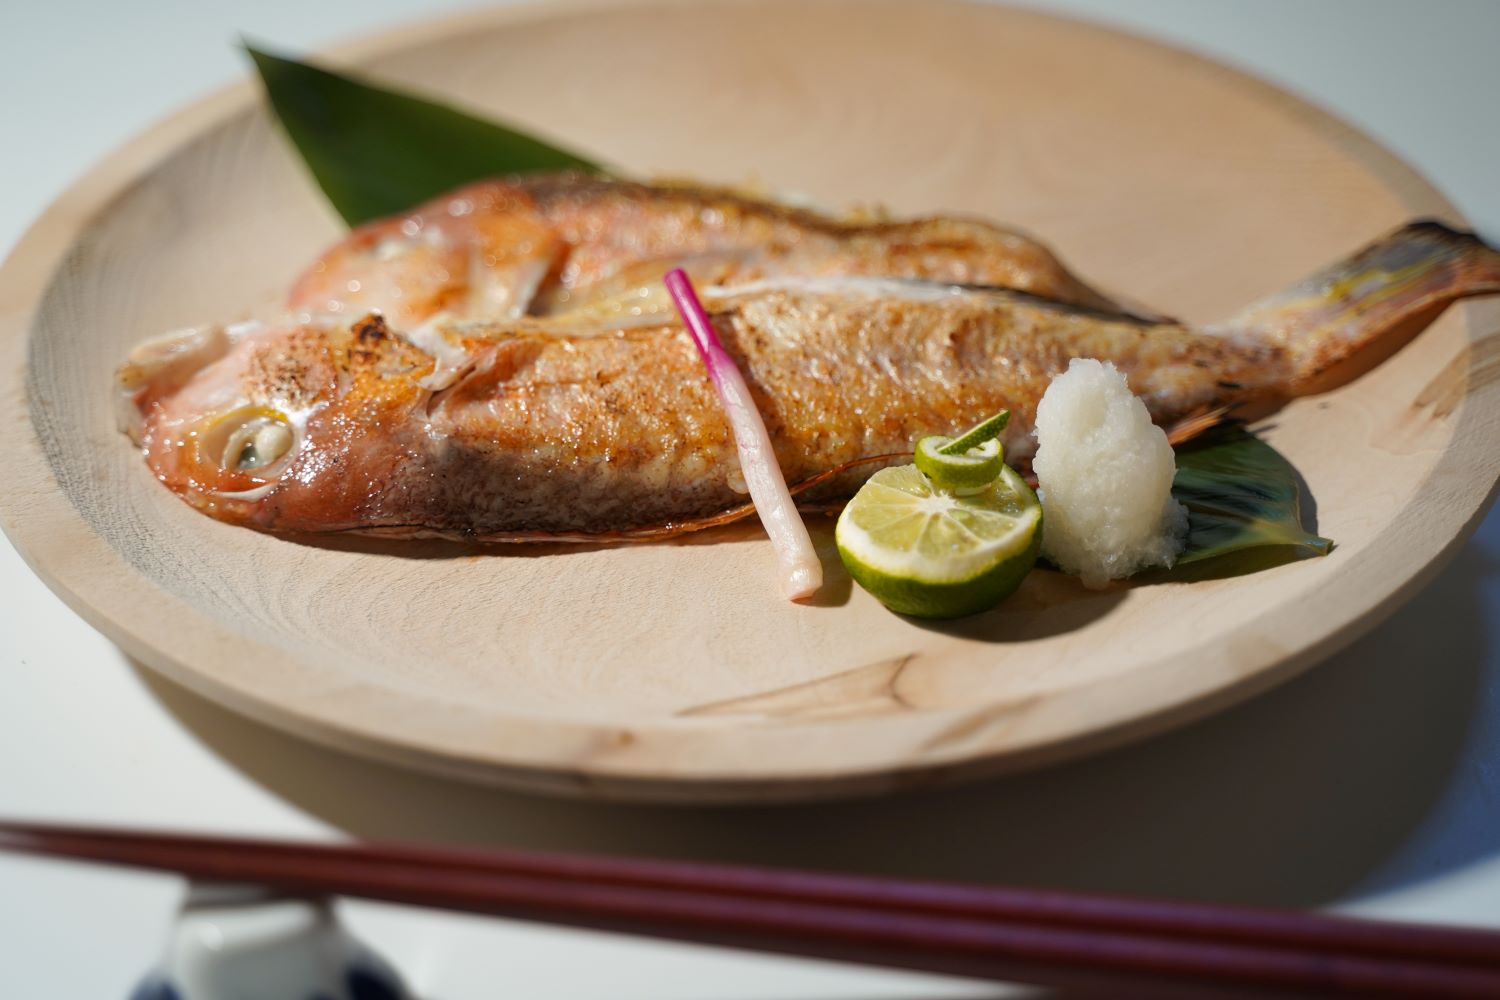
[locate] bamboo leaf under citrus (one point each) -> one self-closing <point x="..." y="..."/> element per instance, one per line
<point x="1240" y="494"/>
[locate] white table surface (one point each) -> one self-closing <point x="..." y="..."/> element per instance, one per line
<point x="1371" y="784"/>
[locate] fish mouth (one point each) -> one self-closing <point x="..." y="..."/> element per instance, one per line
<point x="160" y="366"/>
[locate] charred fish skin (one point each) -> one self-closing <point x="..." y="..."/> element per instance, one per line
<point x="579" y="243"/>
<point x="618" y="431"/>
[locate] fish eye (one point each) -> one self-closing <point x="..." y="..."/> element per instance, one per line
<point x="247" y="440"/>
<point x="257" y="444"/>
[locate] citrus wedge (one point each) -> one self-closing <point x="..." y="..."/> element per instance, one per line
<point x="929" y="553"/>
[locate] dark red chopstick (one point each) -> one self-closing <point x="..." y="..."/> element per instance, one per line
<point x="1121" y="946"/>
<point x="1188" y="920"/>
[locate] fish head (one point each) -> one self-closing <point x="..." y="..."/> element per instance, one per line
<point x="243" y="422"/>
<point x="220" y="412"/>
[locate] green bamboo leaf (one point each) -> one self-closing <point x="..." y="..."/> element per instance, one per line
<point x="376" y="152"/>
<point x="1240" y="494"/>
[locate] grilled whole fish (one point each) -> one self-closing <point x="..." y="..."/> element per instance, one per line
<point x="581" y="244"/>
<point x="324" y="425"/>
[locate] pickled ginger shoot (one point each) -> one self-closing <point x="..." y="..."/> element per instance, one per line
<point x="801" y="572"/>
<point x="1104" y="474"/>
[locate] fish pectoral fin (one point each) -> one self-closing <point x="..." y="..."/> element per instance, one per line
<point x="482" y="377"/>
<point x="1190" y="426"/>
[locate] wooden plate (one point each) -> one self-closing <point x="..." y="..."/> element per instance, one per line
<point x="674" y="671"/>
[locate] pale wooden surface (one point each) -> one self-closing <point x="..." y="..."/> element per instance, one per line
<point x="675" y="671"/>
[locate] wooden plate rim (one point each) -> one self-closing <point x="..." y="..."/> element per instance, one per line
<point x="34" y="503"/>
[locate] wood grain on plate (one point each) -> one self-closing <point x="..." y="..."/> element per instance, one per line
<point x="675" y="671"/>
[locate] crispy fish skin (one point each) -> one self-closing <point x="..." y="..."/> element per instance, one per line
<point x="544" y="434"/>
<point x="555" y="243"/>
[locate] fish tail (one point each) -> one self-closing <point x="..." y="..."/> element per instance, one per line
<point x="1413" y="272"/>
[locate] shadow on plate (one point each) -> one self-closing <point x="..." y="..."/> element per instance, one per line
<point x="1048" y="603"/>
<point x="746" y="528"/>
<point x="1362" y="775"/>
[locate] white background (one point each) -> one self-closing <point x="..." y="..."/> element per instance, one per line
<point x="1371" y="784"/>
